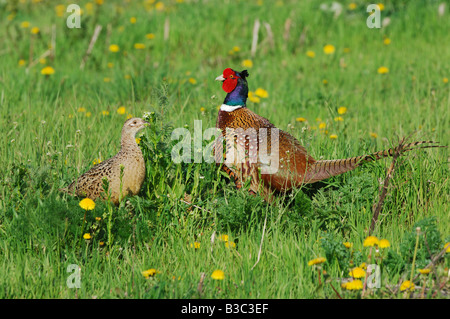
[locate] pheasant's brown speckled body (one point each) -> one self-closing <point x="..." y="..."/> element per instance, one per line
<point x="90" y="184"/>
<point x="245" y="132"/>
<point x="293" y="162"/>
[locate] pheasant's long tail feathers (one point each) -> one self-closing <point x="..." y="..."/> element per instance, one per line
<point x="323" y="169"/>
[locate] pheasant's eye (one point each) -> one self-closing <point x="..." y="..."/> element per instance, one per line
<point x="134" y="122"/>
<point x="231" y="76"/>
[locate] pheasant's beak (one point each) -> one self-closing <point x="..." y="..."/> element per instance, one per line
<point x="220" y="78"/>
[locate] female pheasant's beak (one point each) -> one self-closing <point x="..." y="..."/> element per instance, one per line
<point x="220" y="78"/>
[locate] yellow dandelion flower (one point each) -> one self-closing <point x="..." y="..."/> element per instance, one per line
<point x="448" y="247"/>
<point x="150" y="272"/>
<point x="202" y="109"/>
<point x="22" y="62"/>
<point x="159" y="6"/>
<point x="139" y="46"/>
<point x="352" y="6"/>
<point x="353" y="285"/>
<point x="253" y="98"/>
<point x="42" y="61"/>
<point x="425" y="271"/>
<point x="127" y="76"/>
<point x="35" y="30"/>
<point x="236" y="49"/>
<point x="357" y="272"/>
<point x="316" y="261"/>
<point x="310" y="54"/>
<point x="99" y="2"/>
<point x="230" y="244"/>
<point x="384" y="243"/>
<point x="338" y="119"/>
<point x="363" y="266"/>
<point x="374" y="135"/>
<point x="88" y="114"/>
<point x="348" y="244"/>
<point x="445" y="80"/>
<point x="25" y="24"/>
<point x="333" y="136"/>
<point x="60" y="9"/>
<point x="192" y="81"/>
<point x="138" y="140"/>
<point x="346" y="50"/>
<point x="107" y="80"/>
<point x="218" y="274"/>
<point x="102" y="243"/>
<point x="383" y="70"/>
<point x="407" y="285"/>
<point x="322" y="125"/>
<point x="96" y="161"/>
<point x="110" y="65"/>
<point x="342" y="110"/>
<point x="129" y="116"/>
<point x="370" y="241"/>
<point x="48" y="70"/>
<point x="247" y="63"/>
<point x="261" y="93"/>
<point x="300" y="119"/>
<point x="81" y="110"/>
<point x="87" y="204"/>
<point x="381" y="6"/>
<point x="133" y="20"/>
<point x="223" y="237"/>
<point x="89" y="8"/>
<point x="329" y="49"/>
<point x="114" y="48"/>
<point x="105" y="113"/>
<point x="121" y="110"/>
<point x="87" y="236"/>
<point x="150" y="36"/>
<point x="195" y="245"/>
<point x="387" y="41"/>
<point x="325" y="82"/>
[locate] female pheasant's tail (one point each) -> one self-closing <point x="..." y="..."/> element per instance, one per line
<point x="323" y="169"/>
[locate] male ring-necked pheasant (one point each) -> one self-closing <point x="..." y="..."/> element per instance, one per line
<point x="256" y="149"/>
<point x="90" y="184"/>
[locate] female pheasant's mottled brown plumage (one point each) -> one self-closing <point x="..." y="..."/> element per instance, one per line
<point x="294" y="167"/>
<point x="90" y="184"/>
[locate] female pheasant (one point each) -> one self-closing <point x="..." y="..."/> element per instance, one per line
<point x="273" y="159"/>
<point x="90" y="184"/>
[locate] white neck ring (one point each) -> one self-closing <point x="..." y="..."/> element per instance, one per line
<point x="230" y="108"/>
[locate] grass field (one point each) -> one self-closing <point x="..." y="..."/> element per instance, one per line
<point x="326" y="85"/>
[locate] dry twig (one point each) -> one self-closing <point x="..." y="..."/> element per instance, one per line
<point x="94" y="38"/>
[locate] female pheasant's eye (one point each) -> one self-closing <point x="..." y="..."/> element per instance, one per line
<point x="134" y="122"/>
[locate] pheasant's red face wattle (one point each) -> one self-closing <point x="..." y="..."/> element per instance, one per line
<point x="230" y="82"/>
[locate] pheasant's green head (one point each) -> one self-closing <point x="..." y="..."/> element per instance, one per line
<point x="235" y="84"/>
